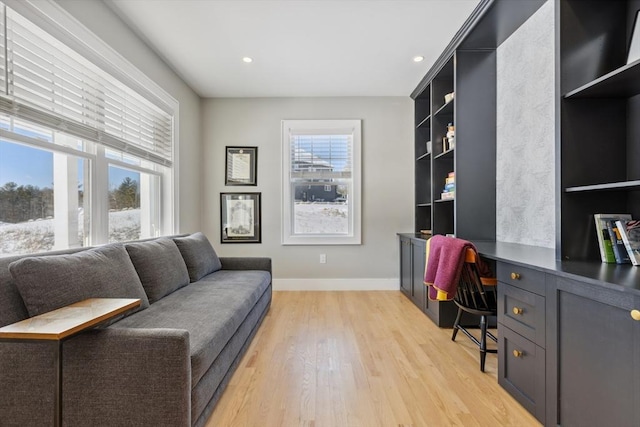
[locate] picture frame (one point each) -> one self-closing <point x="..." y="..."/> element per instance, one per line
<point x="634" y="43"/>
<point x="240" y="218"/>
<point x="241" y="166"/>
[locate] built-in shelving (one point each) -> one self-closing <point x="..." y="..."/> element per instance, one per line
<point x="466" y="69"/>
<point x="446" y="154"/>
<point x="623" y="82"/>
<point x="612" y="186"/>
<point x="444" y="200"/>
<point x="599" y="142"/>
<point x="445" y="110"/>
<point x="424" y="123"/>
<point x="422" y="164"/>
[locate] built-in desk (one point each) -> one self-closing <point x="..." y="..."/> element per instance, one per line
<point x="568" y="331"/>
<point x="569" y="336"/>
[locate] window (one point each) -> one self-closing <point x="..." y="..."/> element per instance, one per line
<point x="133" y="204"/>
<point x="86" y="141"/>
<point x="42" y="199"/>
<point x="321" y="182"/>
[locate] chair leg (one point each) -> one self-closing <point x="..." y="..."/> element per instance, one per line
<point x="456" y="323"/>
<point x="483" y="341"/>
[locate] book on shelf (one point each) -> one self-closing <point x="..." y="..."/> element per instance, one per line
<point x="630" y="232"/>
<point x="619" y="251"/>
<point x="449" y="187"/>
<point x="602" y="231"/>
<point x="451" y="180"/>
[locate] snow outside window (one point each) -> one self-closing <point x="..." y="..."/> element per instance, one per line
<point x="87" y="141"/>
<point x="134" y="209"/>
<point x="51" y="188"/>
<point x="321" y="182"/>
<point x="44" y="202"/>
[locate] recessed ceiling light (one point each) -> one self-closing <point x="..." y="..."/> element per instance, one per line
<point x="418" y="58"/>
<point x="247" y="59"/>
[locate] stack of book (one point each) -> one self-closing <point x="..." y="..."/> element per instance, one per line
<point x="449" y="190"/>
<point x="618" y="238"/>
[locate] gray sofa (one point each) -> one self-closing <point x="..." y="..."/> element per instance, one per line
<point x="165" y="364"/>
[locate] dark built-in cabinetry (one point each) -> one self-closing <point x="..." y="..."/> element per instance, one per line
<point x="521" y="335"/>
<point x="466" y="69"/>
<point x="568" y="325"/>
<point x="413" y="257"/>
<point x="599" y="120"/>
<point x="568" y="336"/>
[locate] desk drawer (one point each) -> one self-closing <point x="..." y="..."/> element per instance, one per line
<point x="521" y="277"/>
<point x="523" y="312"/>
<point x="521" y="371"/>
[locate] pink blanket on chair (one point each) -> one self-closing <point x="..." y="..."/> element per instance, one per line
<point x="445" y="256"/>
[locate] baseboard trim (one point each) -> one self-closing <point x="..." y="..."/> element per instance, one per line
<point x="336" y="284"/>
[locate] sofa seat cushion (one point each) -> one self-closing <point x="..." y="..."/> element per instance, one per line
<point x="199" y="256"/>
<point x="50" y="282"/>
<point x="159" y="265"/>
<point x="211" y="310"/>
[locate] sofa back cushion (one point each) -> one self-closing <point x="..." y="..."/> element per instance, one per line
<point x="199" y="256"/>
<point x="12" y="307"/>
<point x="48" y="283"/>
<point x="160" y="267"/>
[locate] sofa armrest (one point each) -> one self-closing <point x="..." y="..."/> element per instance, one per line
<point x="246" y="263"/>
<point x="27" y="383"/>
<point x="125" y="377"/>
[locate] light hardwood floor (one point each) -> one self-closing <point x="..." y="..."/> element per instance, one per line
<point x="342" y="359"/>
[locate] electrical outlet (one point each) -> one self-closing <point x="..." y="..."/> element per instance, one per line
<point x="323" y="258"/>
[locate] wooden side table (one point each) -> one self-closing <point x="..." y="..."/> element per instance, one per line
<point x="63" y="323"/>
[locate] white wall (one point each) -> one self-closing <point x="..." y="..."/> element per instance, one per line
<point x="98" y="18"/>
<point x="387" y="186"/>
<point x="525" y="138"/>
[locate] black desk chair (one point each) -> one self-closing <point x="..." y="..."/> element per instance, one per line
<point x="476" y="295"/>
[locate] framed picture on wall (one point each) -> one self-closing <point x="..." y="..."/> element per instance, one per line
<point x="240" y="218"/>
<point x="241" y="167"/>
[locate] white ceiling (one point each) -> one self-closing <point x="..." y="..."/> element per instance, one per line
<point x="299" y="47"/>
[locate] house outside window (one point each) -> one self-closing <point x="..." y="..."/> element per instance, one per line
<point x="321" y="182"/>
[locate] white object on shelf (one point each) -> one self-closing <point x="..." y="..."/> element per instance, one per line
<point x="449" y="97"/>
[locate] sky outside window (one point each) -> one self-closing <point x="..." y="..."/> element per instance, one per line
<point x="30" y="166"/>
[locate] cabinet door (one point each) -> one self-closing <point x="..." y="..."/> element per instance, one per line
<point x="521" y="370"/>
<point x="405" y="266"/>
<point x="419" y="254"/>
<point x="597" y="356"/>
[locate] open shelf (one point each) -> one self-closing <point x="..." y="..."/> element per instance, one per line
<point x="445" y="154"/>
<point x="612" y="186"/>
<point x="423" y="205"/>
<point x="446" y="109"/>
<point x="424" y="156"/>
<point x="424" y="123"/>
<point x="444" y="200"/>
<point x="623" y="82"/>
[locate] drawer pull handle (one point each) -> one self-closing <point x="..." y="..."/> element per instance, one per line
<point x="517" y="310"/>
<point x="515" y="276"/>
<point x="635" y="314"/>
<point x="517" y="353"/>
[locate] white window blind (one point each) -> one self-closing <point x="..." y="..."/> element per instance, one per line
<point x="321" y="157"/>
<point x="44" y="81"/>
